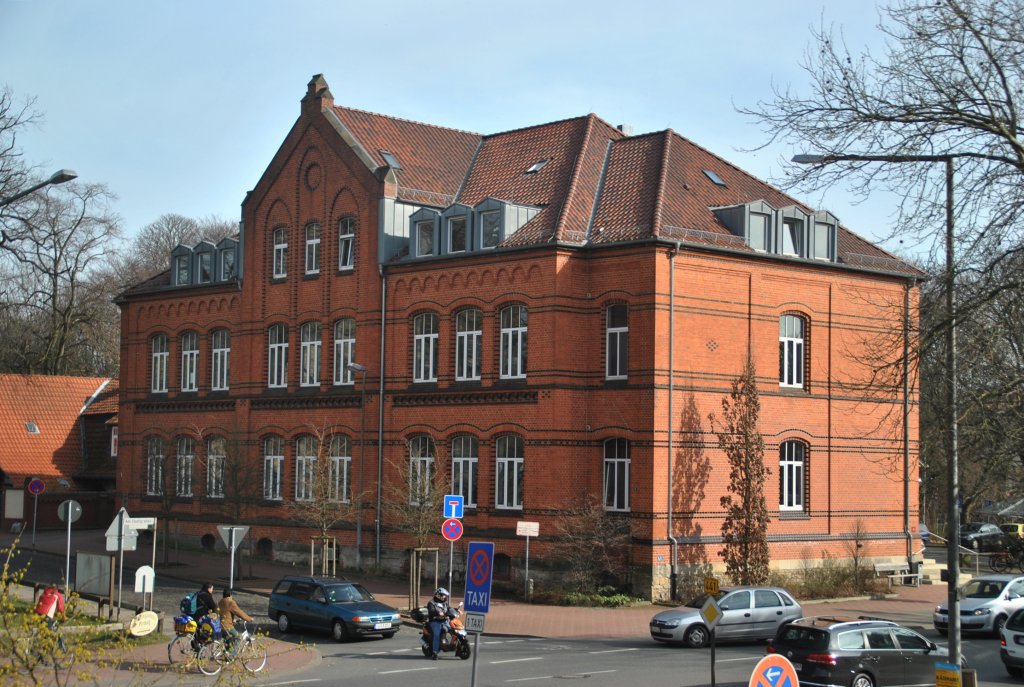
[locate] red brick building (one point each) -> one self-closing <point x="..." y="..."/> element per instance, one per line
<point x="544" y="315"/>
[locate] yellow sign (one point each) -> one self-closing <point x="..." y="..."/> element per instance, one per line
<point x="143" y="623"/>
<point x="947" y="675"/>
<point x="711" y="613"/>
<point x="711" y="585"/>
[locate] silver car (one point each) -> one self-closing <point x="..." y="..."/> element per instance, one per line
<point x="985" y="604"/>
<point x="747" y="613"/>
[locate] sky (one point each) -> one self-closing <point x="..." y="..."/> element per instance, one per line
<point x="179" y="106"/>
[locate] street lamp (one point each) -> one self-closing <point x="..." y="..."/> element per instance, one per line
<point x="59" y="177"/>
<point x="356" y="367"/>
<point x="953" y="535"/>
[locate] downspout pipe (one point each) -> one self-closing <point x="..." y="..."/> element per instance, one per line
<point x="906" y="424"/>
<point x="380" y="418"/>
<point x="674" y="577"/>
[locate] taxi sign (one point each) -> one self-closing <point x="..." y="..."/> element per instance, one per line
<point x="774" y="670"/>
<point x="479" y="571"/>
<point x="710" y="612"/>
<point x="475" y="622"/>
<point x="711" y="585"/>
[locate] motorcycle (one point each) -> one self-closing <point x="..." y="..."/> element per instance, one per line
<point x="454" y="637"/>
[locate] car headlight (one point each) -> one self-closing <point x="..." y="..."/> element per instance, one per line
<point x="396" y="617"/>
<point x="670" y="623"/>
<point x="359" y="619"/>
<point x="982" y="611"/>
<point x="940" y="610"/>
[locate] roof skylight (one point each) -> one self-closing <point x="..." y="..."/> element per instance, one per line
<point x="390" y="159"/>
<point x="31" y="427"/>
<point x="714" y="177"/>
<point x="536" y="166"/>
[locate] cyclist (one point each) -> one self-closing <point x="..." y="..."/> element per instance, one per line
<point x="229" y="611"/>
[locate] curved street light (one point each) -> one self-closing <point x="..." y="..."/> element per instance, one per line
<point x="953" y="535"/>
<point x="61" y="176"/>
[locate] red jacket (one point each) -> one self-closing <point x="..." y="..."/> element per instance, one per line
<point x="51" y="601"/>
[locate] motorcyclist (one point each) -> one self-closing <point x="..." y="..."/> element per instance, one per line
<point x="437" y="616"/>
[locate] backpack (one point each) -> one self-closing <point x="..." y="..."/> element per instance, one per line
<point x="190" y="604"/>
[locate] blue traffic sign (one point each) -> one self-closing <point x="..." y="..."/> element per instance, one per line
<point x="453" y="506"/>
<point x="479" y="571"/>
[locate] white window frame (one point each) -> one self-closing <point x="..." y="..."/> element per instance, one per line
<point x="424" y="347"/>
<point x="449" y="232"/>
<point x="513" y="342"/>
<point x="792" y="351"/>
<point x="311" y="335"/>
<point x="344" y="350"/>
<point x="792" y="237"/>
<point x="762" y="233"/>
<point x="313" y="248"/>
<point x="340" y="469"/>
<point x="616" y="474"/>
<point x="220" y="357"/>
<point x="465" y="468"/>
<point x="273" y="468"/>
<point x="184" y="461"/>
<point x="280" y="268"/>
<point x="616" y="343"/>
<point x="216" y="456"/>
<point x="792" y="476"/>
<point x="346" y="243"/>
<point x="277" y="356"/>
<point x="469" y="337"/>
<point x="190" y="361"/>
<point x="421" y="469"/>
<point x="306" y="449"/>
<point x="160" y="356"/>
<point x="113" y="441"/>
<point x="508" y="473"/>
<point x="155" y="466"/>
<point x="819" y="229"/>
<point x="227" y="264"/>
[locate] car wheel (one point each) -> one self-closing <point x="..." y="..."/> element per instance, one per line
<point x="697" y="636"/>
<point x="862" y="680"/>
<point x="283" y="624"/>
<point x="1014" y="671"/>
<point x="339" y="631"/>
<point x="997" y="625"/>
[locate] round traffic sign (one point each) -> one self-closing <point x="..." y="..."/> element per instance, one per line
<point x="69" y="511"/>
<point x="452" y="529"/>
<point x="36" y="486"/>
<point x="774" y="670"/>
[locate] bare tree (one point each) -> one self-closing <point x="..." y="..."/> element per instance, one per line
<point x="15" y="174"/>
<point x="745" y="528"/>
<point x="52" y="300"/>
<point x="594" y="544"/>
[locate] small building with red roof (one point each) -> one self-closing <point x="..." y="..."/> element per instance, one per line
<point x="540" y="321"/>
<point x="61" y="432"/>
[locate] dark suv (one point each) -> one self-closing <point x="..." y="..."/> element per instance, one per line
<point x="343" y="608"/>
<point x="860" y="652"/>
<point x="982" y="536"/>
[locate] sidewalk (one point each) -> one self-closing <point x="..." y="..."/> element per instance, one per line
<point x="910" y="606"/>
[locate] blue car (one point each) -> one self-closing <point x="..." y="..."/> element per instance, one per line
<point x="343" y="608"/>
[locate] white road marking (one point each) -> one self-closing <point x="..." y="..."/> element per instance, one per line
<point x="526" y="679"/>
<point x="518" y="660"/>
<point x="611" y="651"/>
<point x="407" y="670"/>
<point x="292" y="682"/>
<point x="733" y="660"/>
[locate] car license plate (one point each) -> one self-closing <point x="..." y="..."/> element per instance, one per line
<point x="382" y="626"/>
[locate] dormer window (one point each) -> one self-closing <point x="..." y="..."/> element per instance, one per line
<point x="759" y="236"/>
<point x="227" y="264"/>
<point x="457" y="234"/>
<point x="205" y="267"/>
<point x="792" y="237"/>
<point x="536" y="166"/>
<point x="423" y="233"/>
<point x="490" y="228"/>
<point x="823" y="238"/>
<point x="425" y="237"/>
<point x="181" y="277"/>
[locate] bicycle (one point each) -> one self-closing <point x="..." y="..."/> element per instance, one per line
<point x="1013" y="556"/>
<point x="245" y="648"/>
<point x="39" y="648"/>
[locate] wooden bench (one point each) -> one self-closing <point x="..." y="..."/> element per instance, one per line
<point x="898" y="571"/>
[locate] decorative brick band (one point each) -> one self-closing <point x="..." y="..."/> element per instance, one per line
<point x="292" y="403"/>
<point x="185" y="407"/>
<point x="465" y="398"/>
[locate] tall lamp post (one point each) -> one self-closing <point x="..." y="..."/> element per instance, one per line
<point x="361" y="369"/>
<point x="953" y="535"/>
<point x="59" y="177"/>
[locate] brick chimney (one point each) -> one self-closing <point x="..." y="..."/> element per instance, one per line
<point x="318" y="95"/>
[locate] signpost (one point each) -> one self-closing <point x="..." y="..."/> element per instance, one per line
<point x="68" y="511"/>
<point x="232" y="536"/>
<point x="527" y="529"/>
<point x="144" y="576"/>
<point x="121" y="538"/>
<point x="711" y="614"/>
<point x="452" y="528"/>
<point x="477" y="600"/>
<point x="36" y="487"/>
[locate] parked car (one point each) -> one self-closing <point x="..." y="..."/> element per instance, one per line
<point x="747" y="613"/>
<point x="1011" y="644"/>
<point x="1013" y="529"/>
<point x="343" y="608"/>
<point x="986" y="602"/>
<point x="924" y="533"/>
<point x="857" y="652"/>
<point x="982" y="536"/>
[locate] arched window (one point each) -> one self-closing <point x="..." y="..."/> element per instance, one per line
<point x="509" y="472"/>
<point x="616" y="474"/>
<point x="421" y="469"/>
<point x="154" y="466"/>
<point x="468" y="341"/>
<point x="792" y="476"/>
<point x="313" y="248"/>
<point x="189" y="361"/>
<point x="186" y="458"/>
<point x="791" y="351"/>
<point x="346" y="243"/>
<point x="341" y="462"/>
<point x="273" y="467"/>
<point x="513" y="342"/>
<point x="216" y="455"/>
<point x="344" y="350"/>
<point x="277" y="356"/>
<point x="306" y="448"/>
<point x="312" y="344"/>
<point x="280" y="253"/>
<point x="424" y="348"/>
<point x="221" y="359"/>
<point x="158" y="367"/>
<point x="465" y="459"/>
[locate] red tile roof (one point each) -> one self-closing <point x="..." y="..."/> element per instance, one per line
<point x="52" y="405"/>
